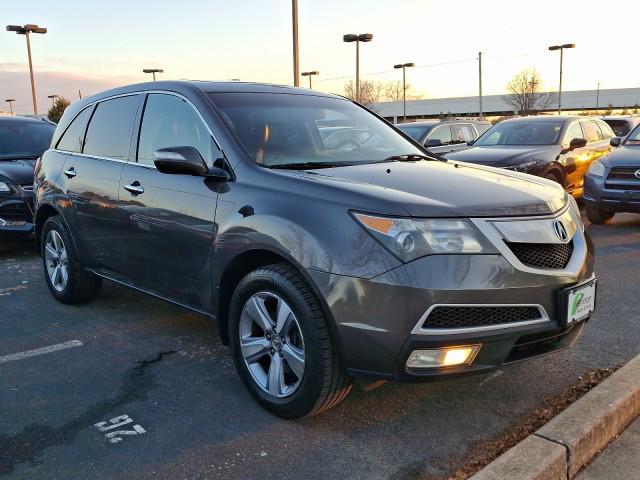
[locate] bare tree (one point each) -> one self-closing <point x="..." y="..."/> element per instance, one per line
<point x="370" y="91"/>
<point x="524" y="92"/>
<point x="393" y="91"/>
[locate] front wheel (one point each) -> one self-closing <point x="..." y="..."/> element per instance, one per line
<point x="282" y="346"/>
<point x="68" y="282"/>
<point x="598" y="216"/>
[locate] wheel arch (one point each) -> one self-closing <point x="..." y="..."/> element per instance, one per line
<point x="44" y="212"/>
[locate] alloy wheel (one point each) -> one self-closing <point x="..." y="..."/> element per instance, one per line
<point x="56" y="260"/>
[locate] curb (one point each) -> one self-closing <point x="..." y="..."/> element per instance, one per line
<point x="560" y="448"/>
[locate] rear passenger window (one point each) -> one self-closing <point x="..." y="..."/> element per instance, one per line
<point x="73" y="138"/>
<point x="462" y="133"/>
<point x="169" y="121"/>
<point x="109" y="133"/>
<point x="607" y="132"/>
<point x="442" y="133"/>
<point x="591" y="131"/>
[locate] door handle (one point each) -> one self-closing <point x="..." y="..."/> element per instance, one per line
<point x="70" y="172"/>
<point x="135" y="188"/>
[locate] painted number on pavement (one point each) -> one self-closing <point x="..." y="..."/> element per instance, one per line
<point x="115" y="436"/>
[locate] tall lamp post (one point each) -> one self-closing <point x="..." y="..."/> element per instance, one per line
<point x="296" y="53"/>
<point x="26" y="30"/>
<point x="361" y="37"/>
<point x="404" y="66"/>
<point x="310" y="74"/>
<point x="10" y="102"/>
<point x="153" y="71"/>
<point x="53" y="99"/>
<point x="561" y="48"/>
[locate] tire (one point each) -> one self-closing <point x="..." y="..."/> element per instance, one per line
<point x="56" y="249"/>
<point x="597" y="216"/>
<point x="553" y="176"/>
<point x="323" y="383"/>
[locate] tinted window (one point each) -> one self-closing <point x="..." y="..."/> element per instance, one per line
<point x="591" y="131"/>
<point x="442" y="133"/>
<point x="535" y="132"/>
<point x="109" y="133"/>
<point x="73" y="137"/>
<point x="620" y="127"/>
<point x="607" y="132"/>
<point x="285" y="130"/>
<point x="415" y="132"/>
<point x="462" y="133"/>
<point x="169" y="121"/>
<point x="634" y="137"/>
<point x="574" y="131"/>
<point x="24" y="139"/>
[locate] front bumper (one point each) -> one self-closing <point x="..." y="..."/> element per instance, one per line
<point x="376" y="318"/>
<point x="16" y="215"/>
<point x="613" y="200"/>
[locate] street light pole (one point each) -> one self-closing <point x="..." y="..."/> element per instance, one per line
<point x="480" y="83"/>
<point x="598" y="99"/>
<point x="53" y="99"/>
<point x="561" y="48"/>
<point x="362" y="37"/>
<point x="403" y="66"/>
<point x="153" y="71"/>
<point x="296" y="56"/>
<point x="310" y="74"/>
<point x="26" y="30"/>
<point x="10" y="102"/>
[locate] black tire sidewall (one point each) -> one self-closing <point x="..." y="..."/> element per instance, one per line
<point x="305" y="398"/>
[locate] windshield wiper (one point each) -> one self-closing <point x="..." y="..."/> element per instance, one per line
<point x="309" y="165"/>
<point x="412" y="157"/>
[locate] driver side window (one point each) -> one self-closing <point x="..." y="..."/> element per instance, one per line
<point x="169" y="121"/>
<point x="574" y="131"/>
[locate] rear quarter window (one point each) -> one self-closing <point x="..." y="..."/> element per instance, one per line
<point x="73" y="138"/>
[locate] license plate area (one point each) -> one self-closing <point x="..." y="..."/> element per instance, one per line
<point x="577" y="303"/>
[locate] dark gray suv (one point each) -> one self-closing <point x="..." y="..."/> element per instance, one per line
<point x="321" y="262"/>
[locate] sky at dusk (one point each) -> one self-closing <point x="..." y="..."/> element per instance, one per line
<point x="92" y="46"/>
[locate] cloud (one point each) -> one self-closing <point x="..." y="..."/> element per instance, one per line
<point x="15" y="83"/>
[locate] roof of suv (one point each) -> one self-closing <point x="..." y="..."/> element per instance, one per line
<point x="436" y="121"/>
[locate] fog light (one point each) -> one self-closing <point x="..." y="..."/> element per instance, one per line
<point x="443" y="357"/>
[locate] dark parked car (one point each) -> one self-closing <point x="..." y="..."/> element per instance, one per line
<point x="443" y="136"/>
<point x="559" y="148"/>
<point x="622" y="124"/>
<point x="319" y="263"/>
<point x="22" y="140"/>
<point x="612" y="183"/>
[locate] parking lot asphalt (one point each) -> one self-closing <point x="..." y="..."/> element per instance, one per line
<point x="180" y="411"/>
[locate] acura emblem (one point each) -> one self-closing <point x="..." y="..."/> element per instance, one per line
<point x="637" y="173"/>
<point x="561" y="232"/>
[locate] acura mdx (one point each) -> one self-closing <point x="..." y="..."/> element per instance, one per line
<point x="366" y="258"/>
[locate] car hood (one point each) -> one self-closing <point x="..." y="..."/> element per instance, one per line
<point x="18" y="172"/>
<point x="504" y="155"/>
<point x="442" y="189"/>
<point x="625" y="156"/>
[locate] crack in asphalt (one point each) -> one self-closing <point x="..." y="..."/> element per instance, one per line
<point x="36" y="438"/>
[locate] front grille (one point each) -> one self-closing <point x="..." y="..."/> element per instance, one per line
<point x="543" y="255"/>
<point x="623" y="178"/>
<point x="15" y="211"/>
<point x="464" y="317"/>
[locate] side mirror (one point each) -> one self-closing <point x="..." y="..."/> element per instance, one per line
<point x="185" y="161"/>
<point x="434" y="142"/>
<point x="615" y="141"/>
<point x="577" y="143"/>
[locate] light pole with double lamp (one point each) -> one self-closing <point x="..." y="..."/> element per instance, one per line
<point x="561" y="48"/>
<point x="361" y="37"/>
<point x="404" y="66"/>
<point x="10" y="102"/>
<point x="153" y="71"/>
<point x="53" y="99"/>
<point x="310" y="74"/>
<point x="26" y="30"/>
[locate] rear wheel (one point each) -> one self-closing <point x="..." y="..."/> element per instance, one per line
<point x="598" y="216"/>
<point x="68" y="282"/>
<point x="282" y="345"/>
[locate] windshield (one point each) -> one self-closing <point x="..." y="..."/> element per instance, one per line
<point x="20" y="139"/>
<point x="415" y="131"/>
<point x="289" y="129"/>
<point x="545" y="132"/>
<point x="619" y="127"/>
<point x="634" y="137"/>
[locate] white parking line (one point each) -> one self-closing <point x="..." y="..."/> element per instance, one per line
<point x="41" y="351"/>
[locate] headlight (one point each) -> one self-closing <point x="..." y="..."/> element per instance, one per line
<point x="4" y="187"/>
<point x="409" y="239"/>
<point x="524" y="166"/>
<point x="596" y="169"/>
